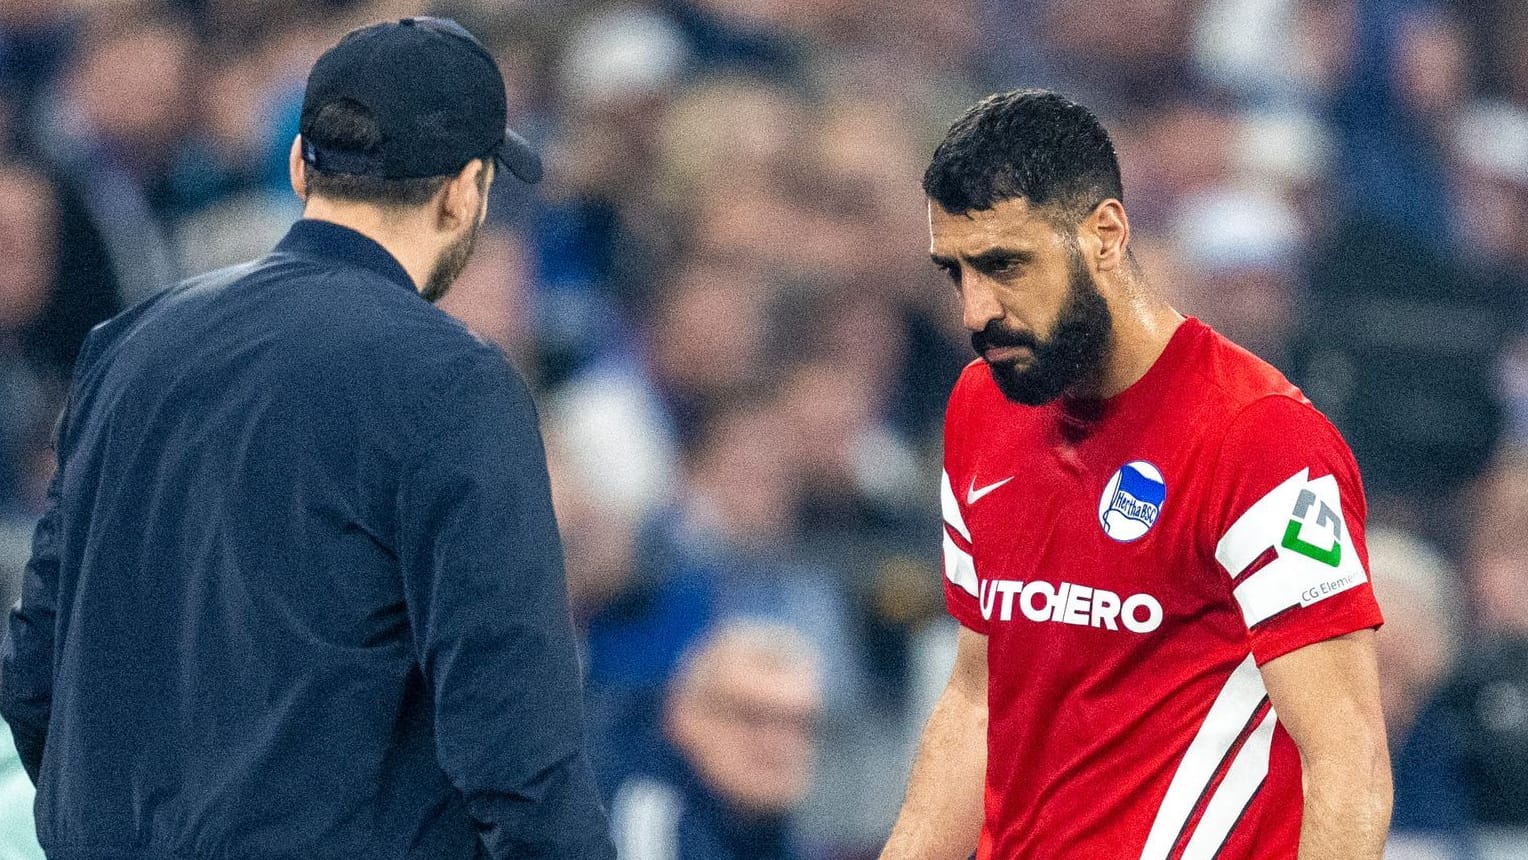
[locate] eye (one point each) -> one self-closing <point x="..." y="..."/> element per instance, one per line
<point x="1000" y="266"/>
<point x="952" y="272"/>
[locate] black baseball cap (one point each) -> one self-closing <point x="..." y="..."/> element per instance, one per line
<point x="436" y="94"/>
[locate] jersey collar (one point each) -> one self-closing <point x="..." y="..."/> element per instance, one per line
<point x="329" y="241"/>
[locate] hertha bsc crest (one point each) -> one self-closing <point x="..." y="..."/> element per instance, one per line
<point x="1132" y="501"/>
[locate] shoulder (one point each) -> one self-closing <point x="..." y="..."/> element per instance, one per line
<point x="1248" y="399"/>
<point x="974" y="384"/>
<point x="976" y="404"/>
<point x="1233" y="376"/>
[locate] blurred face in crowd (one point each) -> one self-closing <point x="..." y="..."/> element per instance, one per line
<point x="746" y="720"/>
<point x="708" y="333"/>
<point x="1417" y="645"/>
<point x="148" y="115"/>
<point x="1499" y="550"/>
<point x="28" y="236"/>
<point x="1033" y="309"/>
<point x="492" y="295"/>
<point x="741" y="478"/>
<point x="828" y="409"/>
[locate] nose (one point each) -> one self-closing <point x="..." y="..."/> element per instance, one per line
<point x="978" y="303"/>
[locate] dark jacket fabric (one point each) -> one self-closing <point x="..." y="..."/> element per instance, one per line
<point x="298" y="591"/>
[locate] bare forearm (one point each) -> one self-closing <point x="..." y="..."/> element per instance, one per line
<point x="941" y="817"/>
<point x="1347" y="810"/>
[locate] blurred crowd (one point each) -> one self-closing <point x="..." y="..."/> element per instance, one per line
<point x="723" y="298"/>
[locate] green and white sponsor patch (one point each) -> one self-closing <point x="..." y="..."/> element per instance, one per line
<point x="1301" y="522"/>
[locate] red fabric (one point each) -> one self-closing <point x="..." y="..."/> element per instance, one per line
<point x="1089" y="725"/>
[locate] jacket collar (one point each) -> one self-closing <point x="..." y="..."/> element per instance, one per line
<point x="325" y="240"/>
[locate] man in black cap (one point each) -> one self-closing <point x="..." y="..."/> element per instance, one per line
<point x="298" y="591"/>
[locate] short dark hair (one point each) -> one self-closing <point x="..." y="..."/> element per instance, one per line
<point x="1033" y="144"/>
<point x="347" y="125"/>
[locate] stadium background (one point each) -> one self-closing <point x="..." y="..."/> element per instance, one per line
<point x="723" y="299"/>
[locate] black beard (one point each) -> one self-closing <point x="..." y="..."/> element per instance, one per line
<point x="1074" y="352"/>
<point x="450" y="264"/>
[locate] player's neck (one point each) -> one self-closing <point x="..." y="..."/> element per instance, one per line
<point x="1143" y="324"/>
<point x="388" y="229"/>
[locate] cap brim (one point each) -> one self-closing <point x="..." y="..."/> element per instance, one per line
<point x="517" y="155"/>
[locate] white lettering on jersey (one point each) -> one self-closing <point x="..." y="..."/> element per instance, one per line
<point x="1068" y="603"/>
<point x="1313" y="557"/>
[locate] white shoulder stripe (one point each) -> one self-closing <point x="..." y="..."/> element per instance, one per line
<point x="1229" y="715"/>
<point x="951" y="508"/>
<point x="644" y="819"/>
<point x="1259" y="528"/>
<point x="959" y="567"/>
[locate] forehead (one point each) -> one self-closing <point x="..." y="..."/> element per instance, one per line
<point x="758" y="680"/>
<point x="1009" y="223"/>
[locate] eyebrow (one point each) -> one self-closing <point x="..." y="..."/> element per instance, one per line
<point x="987" y="257"/>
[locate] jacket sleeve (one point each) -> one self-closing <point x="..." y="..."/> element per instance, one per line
<point x="26" y="655"/>
<point x="484" y="584"/>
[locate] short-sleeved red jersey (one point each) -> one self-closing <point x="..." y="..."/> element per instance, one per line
<point x="1132" y="563"/>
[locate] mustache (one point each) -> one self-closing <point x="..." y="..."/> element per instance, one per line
<point x="997" y="335"/>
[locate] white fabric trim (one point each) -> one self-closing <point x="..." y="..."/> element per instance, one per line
<point x="1243" y="779"/>
<point x="1260" y="526"/>
<point x="951" y="508"/>
<point x="644" y="819"/>
<point x="959" y="567"/>
<point x="1233" y="707"/>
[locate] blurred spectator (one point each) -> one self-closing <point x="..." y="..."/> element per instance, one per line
<point x="36" y="38"/>
<point x="629" y="416"/>
<point x="1247" y="278"/>
<point x="43" y="317"/>
<point x="492" y="297"/>
<point x="1418" y="652"/>
<point x="1492" y="692"/>
<point x="117" y="145"/>
<point x="733" y="752"/>
<point x="1399" y="349"/>
<point x="1404" y="83"/>
<point x="717" y="549"/>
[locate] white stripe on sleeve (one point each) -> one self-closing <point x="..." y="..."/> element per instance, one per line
<point x="951" y="508"/>
<point x="1243" y="779"/>
<point x="1232" y="710"/>
<point x="959" y="567"/>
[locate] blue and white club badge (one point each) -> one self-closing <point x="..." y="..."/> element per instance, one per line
<point x="1132" y="501"/>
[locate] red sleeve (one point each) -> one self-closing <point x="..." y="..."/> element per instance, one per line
<point x="961" y="586"/>
<point x="1288" y="527"/>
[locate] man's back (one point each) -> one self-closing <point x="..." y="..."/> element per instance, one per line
<point x="302" y="541"/>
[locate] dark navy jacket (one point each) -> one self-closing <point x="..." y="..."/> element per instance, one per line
<point x="298" y="591"/>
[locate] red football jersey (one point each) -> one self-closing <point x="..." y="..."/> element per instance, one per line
<point x="1132" y="563"/>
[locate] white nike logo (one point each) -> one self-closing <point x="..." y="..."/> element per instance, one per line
<point x="973" y="495"/>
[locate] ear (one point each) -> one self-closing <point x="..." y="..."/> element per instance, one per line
<point x="460" y="201"/>
<point x="1106" y="235"/>
<point x="297" y="170"/>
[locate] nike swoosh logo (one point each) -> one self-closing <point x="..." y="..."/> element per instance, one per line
<point x="973" y="495"/>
